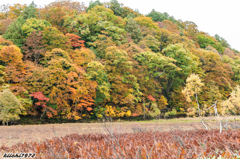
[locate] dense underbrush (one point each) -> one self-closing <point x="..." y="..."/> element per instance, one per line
<point x="141" y="144"/>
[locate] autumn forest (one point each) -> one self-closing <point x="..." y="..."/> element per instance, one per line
<point x="68" y="61"/>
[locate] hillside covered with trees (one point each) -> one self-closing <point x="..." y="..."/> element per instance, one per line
<point x="71" y="61"/>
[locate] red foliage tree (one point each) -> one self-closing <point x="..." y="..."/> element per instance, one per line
<point x="150" y="97"/>
<point x="75" y="42"/>
<point x="40" y="100"/>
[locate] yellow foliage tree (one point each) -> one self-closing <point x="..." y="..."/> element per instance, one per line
<point x="193" y="87"/>
<point x="233" y="102"/>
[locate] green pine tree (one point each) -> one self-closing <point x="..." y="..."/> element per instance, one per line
<point x="93" y="4"/>
<point x="14" y="31"/>
<point x="30" y="11"/>
<point x="116" y="7"/>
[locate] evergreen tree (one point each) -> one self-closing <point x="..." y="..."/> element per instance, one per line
<point x="220" y="39"/>
<point x="156" y="16"/>
<point x="14" y="31"/>
<point x="116" y="7"/>
<point x="93" y="4"/>
<point x="30" y="11"/>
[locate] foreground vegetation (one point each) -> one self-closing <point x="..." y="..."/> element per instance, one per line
<point x="67" y="61"/>
<point x="154" y="144"/>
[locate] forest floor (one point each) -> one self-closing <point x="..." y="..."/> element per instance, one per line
<point x="10" y="135"/>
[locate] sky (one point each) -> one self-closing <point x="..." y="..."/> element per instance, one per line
<point x="211" y="16"/>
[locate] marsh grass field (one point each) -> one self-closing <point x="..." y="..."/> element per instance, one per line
<point x="10" y="135"/>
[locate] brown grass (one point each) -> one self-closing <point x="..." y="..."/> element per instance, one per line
<point x="10" y="135"/>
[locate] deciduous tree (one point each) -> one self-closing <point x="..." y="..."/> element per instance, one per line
<point x="53" y="38"/>
<point x="40" y="100"/>
<point x="34" y="47"/>
<point x="10" y="55"/>
<point x="34" y="24"/>
<point x="75" y="41"/>
<point x="4" y="23"/>
<point x="89" y="26"/>
<point x="16" y="10"/>
<point x="185" y="60"/>
<point x="124" y="86"/>
<point x="150" y="42"/>
<point x="2" y="74"/>
<point x="96" y="71"/>
<point x="134" y="30"/>
<point x="10" y="107"/>
<point x="82" y="57"/>
<point x="69" y="4"/>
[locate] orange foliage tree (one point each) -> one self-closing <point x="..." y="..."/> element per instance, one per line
<point x="75" y="41"/>
<point x="67" y="86"/>
<point x="11" y="58"/>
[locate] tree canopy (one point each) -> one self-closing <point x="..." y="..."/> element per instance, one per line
<point x="71" y="61"/>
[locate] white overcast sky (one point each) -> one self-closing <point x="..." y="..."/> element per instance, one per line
<point x="212" y="16"/>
